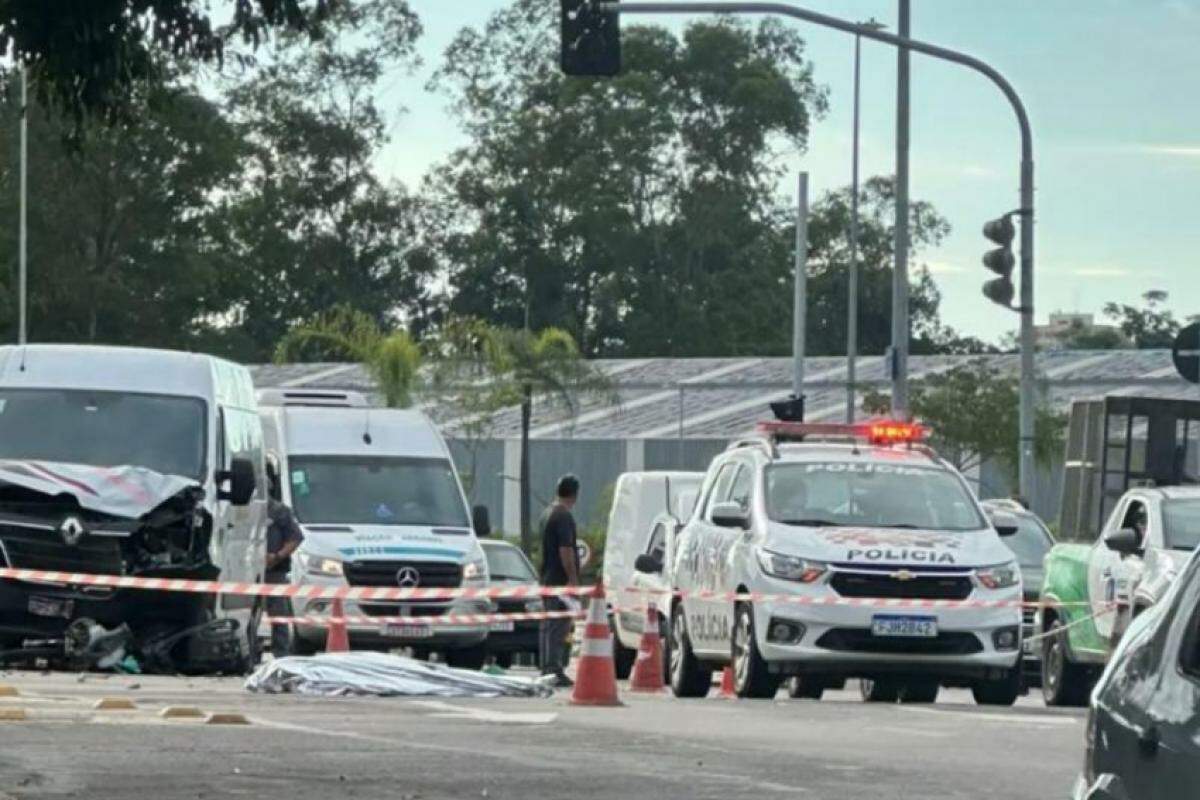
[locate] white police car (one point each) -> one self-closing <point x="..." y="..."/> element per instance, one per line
<point x="818" y="513"/>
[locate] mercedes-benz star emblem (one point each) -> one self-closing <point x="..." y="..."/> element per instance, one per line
<point x="408" y="577"/>
<point x="72" y="531"/>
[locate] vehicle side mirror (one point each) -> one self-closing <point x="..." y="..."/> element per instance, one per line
<point x="1124" y="541"/>
<point x="730" y="515"/>
<point x="481" y="521"/>
<point x="648" y="564"/>
<point x="242" y="482"/>
<point x="1005" y="524"/>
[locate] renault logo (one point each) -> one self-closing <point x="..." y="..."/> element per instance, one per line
<point x="408" y="577"/>
<point x="904" y="575"/>
<point x="72" y="531"/>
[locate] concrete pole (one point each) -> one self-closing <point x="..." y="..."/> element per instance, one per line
<point x="1027" y="475"/>
<point x="900" y="328"/>
<point x="852" y="276"/>
<point x="22" y="269"/>
<point x="799" y="310"/>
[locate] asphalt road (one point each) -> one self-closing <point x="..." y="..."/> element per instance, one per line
<point x="410" y="749"/>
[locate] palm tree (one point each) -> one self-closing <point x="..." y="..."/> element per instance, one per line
<point x="393" y="359"/>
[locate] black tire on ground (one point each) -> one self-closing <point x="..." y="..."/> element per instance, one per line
<point x="1064" y="683"/>
<point x="919" y="692"/>
<point x="688" y="676"/>
<point x="504" y="660"/>
<point x="623" y="657"/>
<point x="751" y="676"/>
<point x="801" y="688"/>
<point x="467" y="657"/>
<point x="1000" y="692"/>
<point x="885" y="691"/>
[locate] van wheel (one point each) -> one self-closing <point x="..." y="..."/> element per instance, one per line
<point x="751" y="677"/>
<point x="302" y="647"/>
<point x="879" y="691"/>
<point x="1001" y="692"/>
<point x="1064" y="683"/>
<point x="623" y="657"/>
<point x="689" y="678"/>
<point x="919" y="692"/>
<point x="801" y="688"/>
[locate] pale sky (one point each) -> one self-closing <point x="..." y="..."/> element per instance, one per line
<point x="1111" y="89"/>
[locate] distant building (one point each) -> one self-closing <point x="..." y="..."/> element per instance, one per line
<point x="1064" y="328"/>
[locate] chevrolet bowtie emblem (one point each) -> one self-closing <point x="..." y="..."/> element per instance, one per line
<point x="903" y="575"/>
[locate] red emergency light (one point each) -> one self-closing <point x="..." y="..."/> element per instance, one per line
<point x="875" y="432"/>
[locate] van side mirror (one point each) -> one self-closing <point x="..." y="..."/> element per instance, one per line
<point x="242" y="482"/>
<point x="481" y="521"/>
<point x="648" y="564"/>
<point x="730" y="515"/>
<point x="1124" y="541"/>
<point x="1005" y="524"/>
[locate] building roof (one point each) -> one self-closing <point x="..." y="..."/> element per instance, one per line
<point x="666" y="398"/>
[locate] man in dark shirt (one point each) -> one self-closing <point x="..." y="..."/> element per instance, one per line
<point x="560" y="567"/>
<point x="283" y="537"/>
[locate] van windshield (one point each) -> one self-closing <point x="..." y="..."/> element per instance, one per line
<point x="104" y="429"/>
<point x="870" y="495"/>
<point x="356" y="490"/>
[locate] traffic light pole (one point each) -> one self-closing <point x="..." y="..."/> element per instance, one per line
<point x="869" y="32"/>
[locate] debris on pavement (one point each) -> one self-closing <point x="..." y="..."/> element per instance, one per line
<point x="385" y="675"/>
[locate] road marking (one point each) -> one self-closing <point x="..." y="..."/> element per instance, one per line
<point x="450" y="711"/>
<point x="1028" y="719"/>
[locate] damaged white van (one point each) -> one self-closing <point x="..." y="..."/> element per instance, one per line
<point x="380" y="504"/>
<point x="124" y="461"/>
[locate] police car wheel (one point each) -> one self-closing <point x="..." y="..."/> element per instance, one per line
<point x="879" y="691"/>
<point x="919" y="692"/>
<point x="1064" y="683"/>
<point x="751" y="677"/>
<point x="1001" y="692"/>
<point x="801" y="688"/>
<point x="688" y="677"/>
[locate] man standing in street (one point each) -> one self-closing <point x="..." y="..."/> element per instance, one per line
<point x="283" y="537"/>
<point x="560" y="567"/>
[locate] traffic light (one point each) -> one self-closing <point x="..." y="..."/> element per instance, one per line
<point x="1000" y="261"/>
<point x="591" y="39"/>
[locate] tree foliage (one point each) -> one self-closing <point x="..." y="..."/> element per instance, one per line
<point x="1148" y="328"/>
<point x="973" y="411"/>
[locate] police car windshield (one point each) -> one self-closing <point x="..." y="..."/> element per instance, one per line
<point x="869" y="495"/>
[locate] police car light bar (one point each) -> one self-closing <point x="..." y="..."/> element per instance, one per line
<point x="876" y="432"/>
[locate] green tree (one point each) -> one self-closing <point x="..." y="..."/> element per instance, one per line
<point x="634" y="213"/>
<point x="98" y="57"/>
<point x="123" y="245"/>
<point x="392" y="358"/>
<point x="1102" y="338"/>
<point x="1151" y="327"/>
<point x="972" y="411"/>
<point x="313" y="226"/>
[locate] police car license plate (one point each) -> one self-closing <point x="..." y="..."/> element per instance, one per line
<point x="501" y="627"/>
<point x="896" y="625"/>
<point x="408" y="631"/>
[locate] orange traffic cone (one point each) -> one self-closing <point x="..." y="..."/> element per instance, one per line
<point x="727" y="688"/>
<point x="648" y="669"/>
<point x="338" y="640"/>
<point x="596" y="675"/>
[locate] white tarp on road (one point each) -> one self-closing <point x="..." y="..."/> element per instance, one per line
<point x="367" y="673"/>
<point x="126" y="492"/>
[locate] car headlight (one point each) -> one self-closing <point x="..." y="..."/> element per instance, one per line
<point x="790" y="568"/>
<point x="475" y="571"/>
<point x="325" y="566"/>
<point x="999" y="577"/>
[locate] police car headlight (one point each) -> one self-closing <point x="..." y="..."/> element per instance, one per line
<point x="790" y="568"/>
<point x="999" y="577"/>
<point x="475" y="571"/>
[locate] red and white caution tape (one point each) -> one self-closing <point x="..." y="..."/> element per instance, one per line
<point x="439" y="621"/>
<point x="1108" y="609"/>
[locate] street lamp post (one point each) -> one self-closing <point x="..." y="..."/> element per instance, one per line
<point x="946" y="54"/>
<point x="22" y="266"/>
<point x="852" y="271"/>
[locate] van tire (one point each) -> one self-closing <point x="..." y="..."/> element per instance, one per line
<point x="302" y="647"/>
<point x="873" y="691"/>
<point x="802" y="688"/>
<point x="623" y="657"/>
<point x="752" y="677"/>
<point x="472" y="658"/>
<point x="254" y="646"/>
<point x="689" y="677"/>
<point x="1064" y="683"/>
